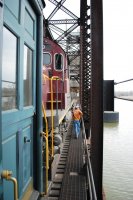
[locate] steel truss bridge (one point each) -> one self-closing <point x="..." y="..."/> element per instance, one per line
<point x="85" y="53"/>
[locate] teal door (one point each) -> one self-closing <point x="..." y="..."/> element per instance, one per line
<point x="18" y="94"/>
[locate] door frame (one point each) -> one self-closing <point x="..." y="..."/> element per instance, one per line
<point x="1" y="35"/>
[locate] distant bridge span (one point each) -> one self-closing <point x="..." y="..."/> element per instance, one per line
<point x="123" y="81"/>
<point x="128" y="98"/>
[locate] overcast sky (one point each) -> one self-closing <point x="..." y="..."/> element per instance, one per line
<point x="118" y="36"/>
<point x="118" y="39"/>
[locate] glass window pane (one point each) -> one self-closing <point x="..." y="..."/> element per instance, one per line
<point x="27" y="78"/>
<point x="47" y="47"/>
<point x="9" y="62"/>
<point x="58" y="62"/>
<point x="46" y="59"/>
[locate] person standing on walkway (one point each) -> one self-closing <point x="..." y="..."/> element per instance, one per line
<point x="77" y="114"/>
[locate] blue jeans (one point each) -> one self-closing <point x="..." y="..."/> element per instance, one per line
<point x="76" y="124"/>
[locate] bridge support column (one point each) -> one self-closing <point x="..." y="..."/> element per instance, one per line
<point x="97" y="94"/>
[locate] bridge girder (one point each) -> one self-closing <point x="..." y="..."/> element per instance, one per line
<point x="88" y="73"/>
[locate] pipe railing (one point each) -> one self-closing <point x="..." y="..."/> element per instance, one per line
<point x="45" y="136"/>
<point x="90" y="179"/>
<point x="45" y="77"/>
<point x="47" y="162"/>
<point x="46" y="122"/>
<point x="7" y="175"/>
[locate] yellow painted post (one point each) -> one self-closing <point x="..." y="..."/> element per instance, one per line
<point x="44" y="114"/>
<point x="52" y="119"/>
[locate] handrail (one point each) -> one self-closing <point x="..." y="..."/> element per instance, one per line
<point x="8" y="176"/>
<point x="47" y="161"/>
<point x="52" y="119"/>
<point x="90" y="180"/>
<point x="46" y="122"/>
<point x="52" y="115"/>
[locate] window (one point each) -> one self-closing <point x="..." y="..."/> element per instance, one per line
<point x="58" y="61"/>
<point x="9" y="63"/>
<point x="46" y="59"/>
<point x="47" y="47"/>
<point x="27" y="78"/>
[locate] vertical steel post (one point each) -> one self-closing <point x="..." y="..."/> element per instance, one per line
<point x="97" y="94"/>
<point x="85" y="65"/>
<point x="39" y="105"/>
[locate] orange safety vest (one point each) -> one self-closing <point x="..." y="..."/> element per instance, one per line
<point x="77" y="114"/>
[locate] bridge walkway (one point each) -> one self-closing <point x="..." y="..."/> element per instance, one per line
<point x="74" y="180"/>
<point x="69" y="182"/>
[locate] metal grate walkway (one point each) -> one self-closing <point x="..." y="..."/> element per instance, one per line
<point x="74" y="182"/>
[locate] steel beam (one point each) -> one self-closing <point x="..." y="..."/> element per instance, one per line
<point x="85" y="65"/>
<point x="56" y="3"/>
<point x="97" y="94"/>
<point x="66" y="33"/>
<point x="63" y="21"/>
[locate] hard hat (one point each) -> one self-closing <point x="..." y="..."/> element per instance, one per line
<point x="77" y="106"/>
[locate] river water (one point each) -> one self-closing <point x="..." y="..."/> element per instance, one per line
<point x="118" y="154"/>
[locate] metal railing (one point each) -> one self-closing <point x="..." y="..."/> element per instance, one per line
<point x="90" y="179"/>
<point x="7" y="175"/>
<point x="45" y="77"/>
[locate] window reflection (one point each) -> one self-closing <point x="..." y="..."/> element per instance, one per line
<point x="46" y="59"/>
<point x="27" y="78"/>
<point x="9" y="70"/>
<point x="58" y="62"/>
